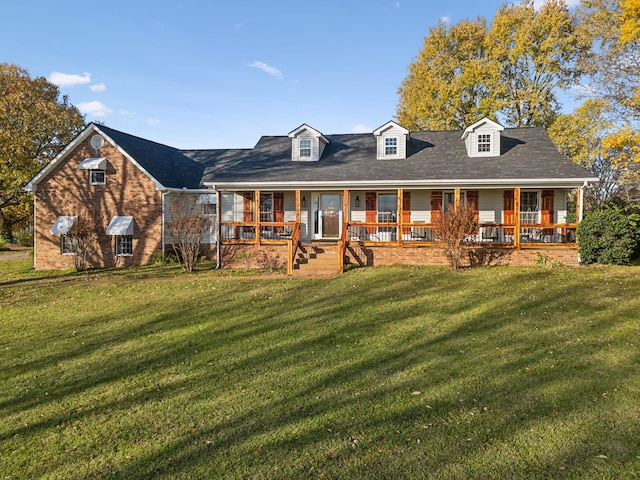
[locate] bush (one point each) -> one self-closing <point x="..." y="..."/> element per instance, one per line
<point x="4" y="243"/>
<point x="610" y="235"/>
<point x="25" y="239"/>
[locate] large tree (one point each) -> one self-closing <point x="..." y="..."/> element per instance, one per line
<point x="510" y="71"/>
<point x="35" y="125"/>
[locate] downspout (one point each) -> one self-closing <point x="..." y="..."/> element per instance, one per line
<point x="163" y="222"/>
<point x="579" y="214"/>
<point x="34" y="233"/>
<point x="218" y="229"/>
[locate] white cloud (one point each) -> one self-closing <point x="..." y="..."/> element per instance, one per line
<point x="273" y="71"/>
<point x="99" y="87"/>
<point x="94" y="109"/>
<point x="445" y="19"/>
<point x="69" y="79"/>
<point x="361" y="128"/>
<point x="153" y="121"/>
<point x="127" y="113"/>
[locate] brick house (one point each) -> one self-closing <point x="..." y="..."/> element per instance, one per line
<point x="295" y="199"/>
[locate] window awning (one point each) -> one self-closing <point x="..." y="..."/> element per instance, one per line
<point x="93" y="164"/>
<point x="207" y="198"/>
<point x="63" y="224"/>
<point x="120" y="226"/>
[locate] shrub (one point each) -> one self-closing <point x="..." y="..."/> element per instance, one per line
<point x="25" y="239"/>
<point x="609" y="235"/>
<point x="452" y="229"/>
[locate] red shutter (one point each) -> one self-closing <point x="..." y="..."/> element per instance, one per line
<point x="436" y="206"/>
<point x="372" y="210"/>
<point x="406" y="211"/>
<point x="247" y="208"/>
<point x="509" y="214"/>
<point x="472" y="201"/>
<point x="546" y="212"/>
<point x="278" y="209"/>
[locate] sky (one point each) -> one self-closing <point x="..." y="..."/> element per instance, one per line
<point x="214" y="74"/>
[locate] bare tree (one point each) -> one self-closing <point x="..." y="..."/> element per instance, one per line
<point x="452" y="228"/>
<point x="82" y="237"/>
<point x="188" y="226"/>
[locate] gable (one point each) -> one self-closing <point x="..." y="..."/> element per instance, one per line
<point x="482" y="139"/>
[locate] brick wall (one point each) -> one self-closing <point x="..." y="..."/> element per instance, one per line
<point x="127" y="191"/>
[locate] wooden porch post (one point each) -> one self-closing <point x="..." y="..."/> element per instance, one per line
<point x="516" y="208"/>
<point x="579" y="200"/>
<point x="345" y="206"/>
<point x="297" y="206"/>
<point x="257" y="219"/>
<point x="400" y="214"/>
<point x="456" y="198"/>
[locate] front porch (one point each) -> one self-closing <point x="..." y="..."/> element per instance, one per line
<point x="367" y="221"/>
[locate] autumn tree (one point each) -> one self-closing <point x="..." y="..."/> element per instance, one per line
<point x="510" y="70"/>
<point x="82" y="237"/>
<point x="188" y="226"/>
<point x="35" y="125"/>
<point x="452" y="228"/>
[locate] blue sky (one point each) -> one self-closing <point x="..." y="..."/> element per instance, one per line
<point x="213" y="74"/>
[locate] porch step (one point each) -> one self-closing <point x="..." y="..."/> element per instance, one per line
<point x="316" y="260"/>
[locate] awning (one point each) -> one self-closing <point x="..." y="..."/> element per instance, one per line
<point x="207" y="198"/>
<point x="93" y="164"/>
<point x="63" y="224"/>
<point x="120" y="226"/>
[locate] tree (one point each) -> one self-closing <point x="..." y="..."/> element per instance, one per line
<point x="451" y="230"/>
<point x="509" y="71"/>
<point x="188" y="226"/>
<point x="82" y="237"/>
<point x="579" y="136"/>
<point x="35" y="125"/>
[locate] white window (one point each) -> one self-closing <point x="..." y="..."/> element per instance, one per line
<point x="68" y="245"/>
<point x="484" y="142"/>
<point x="124" y="245"/>
<point x="387" y="207"/>
<point x="529" y="207"/>
<point x="266" y="207"/>
<point x="97" y="177"/>
<point x="305" y="148"/>
<point x="391" y="146"/>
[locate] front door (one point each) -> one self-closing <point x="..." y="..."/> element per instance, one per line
<point x="327" y="215"/>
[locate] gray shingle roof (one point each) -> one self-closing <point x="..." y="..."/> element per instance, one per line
<point x="527" y="153"/>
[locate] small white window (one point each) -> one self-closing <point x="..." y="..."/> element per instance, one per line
<point x="484" y="142"/>
<point x="305" y="147"/>
<point x="391" y="146"/>
<point x="68" y="245"/>
<point x="124" y="245"/>
<point x="97" y="177"/>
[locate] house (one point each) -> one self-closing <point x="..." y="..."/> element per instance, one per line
<point x="292" y="200"/>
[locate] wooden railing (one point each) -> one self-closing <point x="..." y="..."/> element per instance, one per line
<point x="292" y="247"/>
<point x="245" y="232"/>
<point x="342" y="245"/>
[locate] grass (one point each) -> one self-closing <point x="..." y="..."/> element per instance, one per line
<point x="398" y="372"/>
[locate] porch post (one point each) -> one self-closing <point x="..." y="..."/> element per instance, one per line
<point x="257" y="219"/>
<point x="298" y="206"/>
<point x="579" y="202"/>
<point x="345" y="207"/>
<point x="218" y="229"/>
<point x="400" y="211"/>
<point x="516" y="208"/>
<point x="456" y="198"/>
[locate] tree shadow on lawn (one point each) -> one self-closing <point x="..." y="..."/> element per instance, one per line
<point x="358" y="411"/>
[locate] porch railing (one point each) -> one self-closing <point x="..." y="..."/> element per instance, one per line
<point x="293" y="243"/>
<point x="245" y="232"/>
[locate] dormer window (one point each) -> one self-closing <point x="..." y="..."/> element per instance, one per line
<point x="391" y="141"/>
<point x="484" y="142"/>
<point x="391" y="146"/>
<point x="305" y="148"/>
<point x="482" y="139"/>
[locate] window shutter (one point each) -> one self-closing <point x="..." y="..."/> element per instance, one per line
<point x="436" y="206"/>
<point x="472" y="201"/>
<point x="508" y="212"/>
<point x="406" y="211"/>
<point x="372" y="210"/>
<point x="247" y="209"/>
<point x="278" y="209"/>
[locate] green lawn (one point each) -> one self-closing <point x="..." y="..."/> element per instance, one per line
<point x="381" y="373"/>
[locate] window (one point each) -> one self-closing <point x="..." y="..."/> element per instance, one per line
<point x="387" y="207"/>
<point x="266" y="207"/>
<point x="68" y="245"/>
<point x="529" y="207"/>
<point x="391" y="146"/>
<point x="305" y="147"/>
<point x="124" y="245"/>
<point x="484" y="143"/>
<point x="96" y="177"/>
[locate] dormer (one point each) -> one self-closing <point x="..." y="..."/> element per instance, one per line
<point x="391" y="140"/>
<point x="482" y="139"/>
<point x="307" y="144"/>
